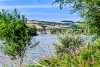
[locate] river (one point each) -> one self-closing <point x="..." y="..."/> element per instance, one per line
<point x="43" y="49"/>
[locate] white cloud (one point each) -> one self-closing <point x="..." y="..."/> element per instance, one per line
<point x="27" y="6"/>
<point x="40" y="13"/>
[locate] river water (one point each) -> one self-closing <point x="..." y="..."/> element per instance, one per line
<point x="43" y="49"/>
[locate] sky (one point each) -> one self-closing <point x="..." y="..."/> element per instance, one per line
<point x="40" y="10"/>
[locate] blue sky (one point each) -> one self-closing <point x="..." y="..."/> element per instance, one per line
<point x="40" y="10"/>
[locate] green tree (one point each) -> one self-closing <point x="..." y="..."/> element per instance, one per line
<point x="15" y="34"/>
<point x="89" y="10"/>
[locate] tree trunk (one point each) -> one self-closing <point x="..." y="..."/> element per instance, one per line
<point x="21" y="60"/>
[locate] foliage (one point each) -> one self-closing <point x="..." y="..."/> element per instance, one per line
<point x="88" y="9"/>
<point x="88" y="56"/>
<point x="69" y="44"/>
<point x="79" y="28"/>
<point x="15" y="33"/>
<point x="34" y="29"/>
<point x="56" y="31"/>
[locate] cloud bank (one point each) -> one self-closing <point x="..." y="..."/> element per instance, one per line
<point x="27" y="6"/>
<point x="40" y="13"/>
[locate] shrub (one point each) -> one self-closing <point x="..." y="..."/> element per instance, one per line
<point x="69" y="44"/>
<point x="88" y="56"/>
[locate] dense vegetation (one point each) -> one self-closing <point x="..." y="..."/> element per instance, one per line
<point x="15" y="34"/>
<point x="56" y="31"/>
<point x="88" y="56"/>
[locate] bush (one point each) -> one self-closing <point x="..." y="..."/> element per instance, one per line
<point x="69" y="44"/>
<point x="88" y="56"/>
